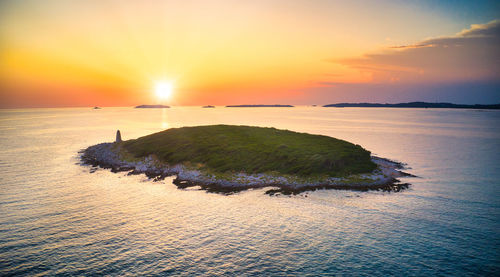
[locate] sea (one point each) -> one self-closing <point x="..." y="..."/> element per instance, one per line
<point x="58" y="218"/>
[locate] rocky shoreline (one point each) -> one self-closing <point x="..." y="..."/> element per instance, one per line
<point x="113" y="156"/>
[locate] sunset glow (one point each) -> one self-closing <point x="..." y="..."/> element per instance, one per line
<point x="86" y="53"/>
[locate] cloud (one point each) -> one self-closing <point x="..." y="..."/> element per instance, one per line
<point x="490" y="29"/>
<point x="412" y="46"/>
<point x="330" y="84"/>
<point x="470" y="55"/>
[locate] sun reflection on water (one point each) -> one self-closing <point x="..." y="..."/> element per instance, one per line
<point x="164" y="123"/>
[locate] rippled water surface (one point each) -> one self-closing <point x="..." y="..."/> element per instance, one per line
<point x="58" y="218"/>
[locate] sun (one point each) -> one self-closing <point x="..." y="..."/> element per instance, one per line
<point x="163" y="90"/>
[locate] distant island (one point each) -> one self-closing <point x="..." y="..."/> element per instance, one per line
<point x="208" y="106"/>
<point x="415" y="105"/>
<point x="227" y="158"/>
<point x="152" y="107"/>
<point x="259" y="106"/>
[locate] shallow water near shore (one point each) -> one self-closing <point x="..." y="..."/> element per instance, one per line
<point x="58" y="218"/>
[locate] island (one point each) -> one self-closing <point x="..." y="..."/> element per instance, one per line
<point x="260" y="106"/>
<point x="152" y="107"/>
<point x="228" y="158"/>
<point x="416" y="105"/>
<point x="208" y="106"/>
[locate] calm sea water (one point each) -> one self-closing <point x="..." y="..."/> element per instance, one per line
<point x="57" y="218"/>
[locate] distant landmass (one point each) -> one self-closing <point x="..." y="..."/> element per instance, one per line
<point x="152" y="107"/>
<point x="415" y="105"/>
<point x="208" y="106"/>
<point x="259" y="106"/>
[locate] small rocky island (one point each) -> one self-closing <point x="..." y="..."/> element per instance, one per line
<point x="260" y="106"/>
<point x="227" y="158"/>
<point x="152" y="107"/>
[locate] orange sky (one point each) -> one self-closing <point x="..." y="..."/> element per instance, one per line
<point x="111" y="53"/>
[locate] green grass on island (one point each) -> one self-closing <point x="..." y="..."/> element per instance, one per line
<point x="227" y="148"/>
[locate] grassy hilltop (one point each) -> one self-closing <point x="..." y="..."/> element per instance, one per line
<point x="227" y="148"/>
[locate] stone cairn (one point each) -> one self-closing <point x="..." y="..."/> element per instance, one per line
<point x="118" y="136"/>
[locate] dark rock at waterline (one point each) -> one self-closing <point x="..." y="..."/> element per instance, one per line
<point x="182" y="184"/>
<point x="115" y="169"/>
<point x="390" y="187"/>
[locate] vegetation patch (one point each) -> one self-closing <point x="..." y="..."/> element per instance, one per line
<point x="230" y="149"/>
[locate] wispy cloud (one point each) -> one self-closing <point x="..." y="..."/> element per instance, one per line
<point x="412" y="46"/>
<point x="469" y="55"/>
<point x="490" y="29"/>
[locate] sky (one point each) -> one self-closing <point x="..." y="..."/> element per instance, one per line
<point x="69" y="53"/>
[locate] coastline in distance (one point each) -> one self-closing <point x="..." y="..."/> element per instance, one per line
<point x="415" y="105"/>
<point x="260" y="106"/>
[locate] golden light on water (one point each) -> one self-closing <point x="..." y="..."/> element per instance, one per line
<point x="163" y="90"/>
